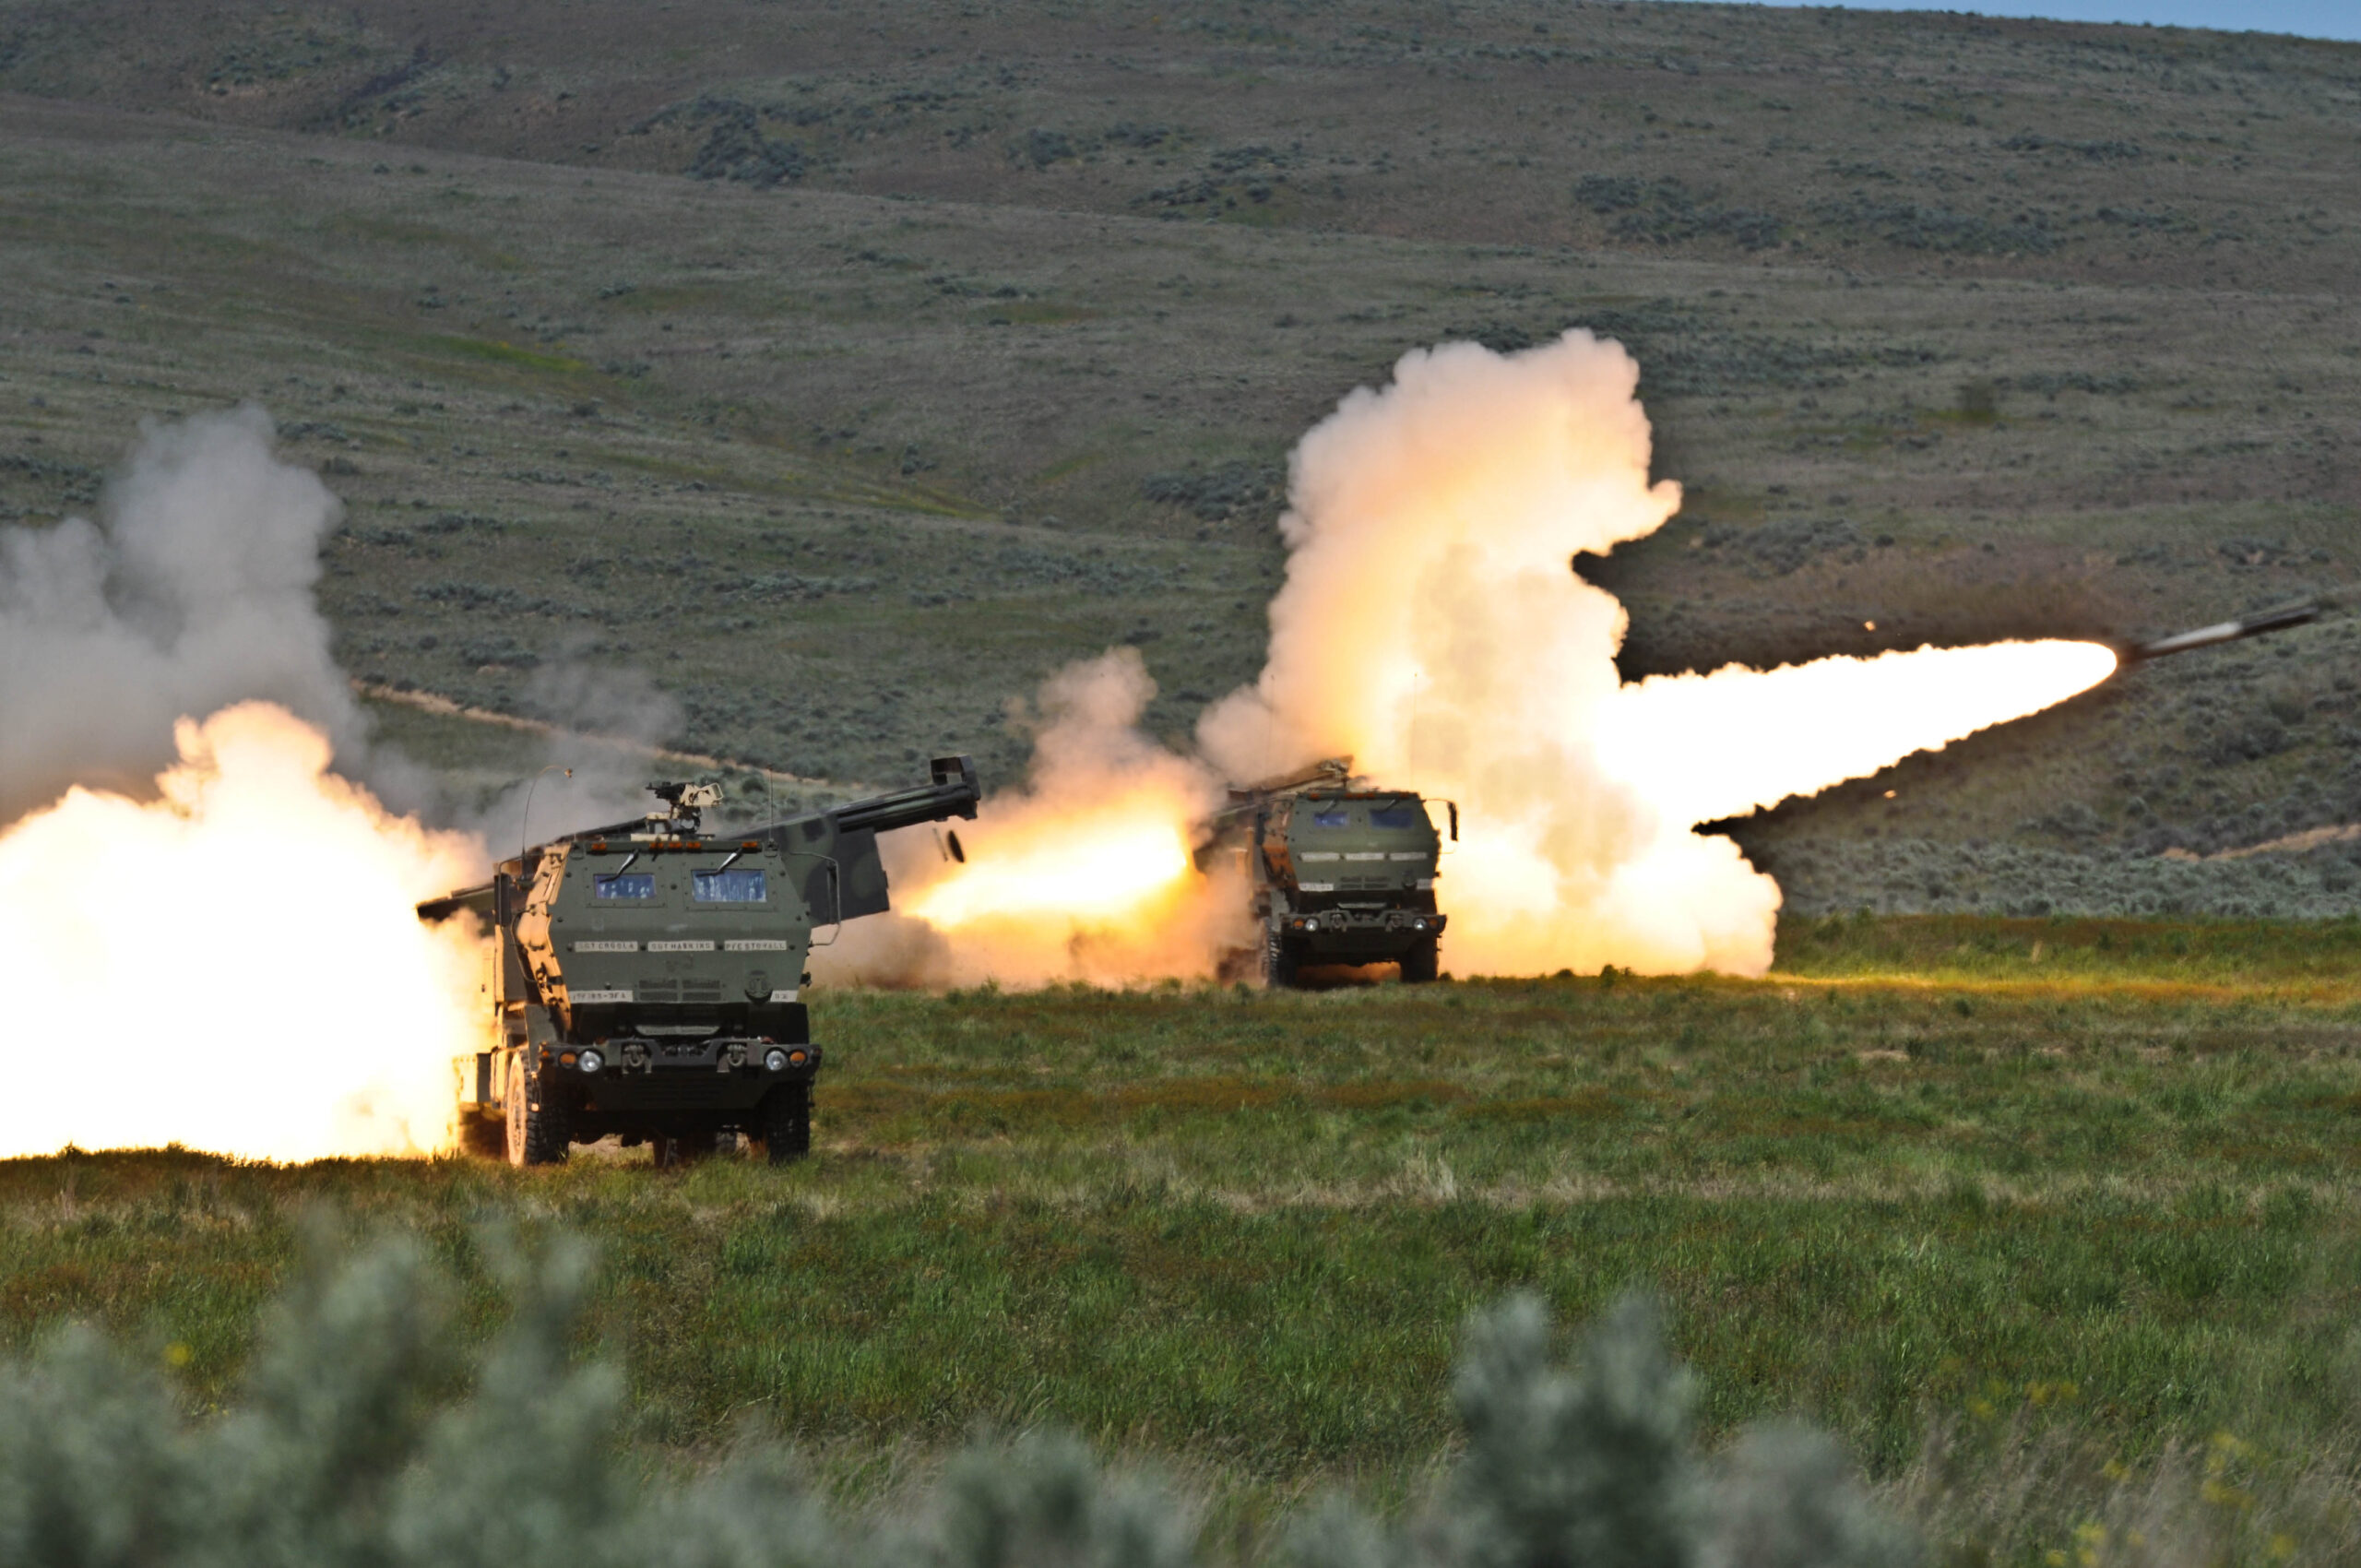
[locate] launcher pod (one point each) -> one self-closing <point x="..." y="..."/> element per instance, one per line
<point x="647" y="976"/>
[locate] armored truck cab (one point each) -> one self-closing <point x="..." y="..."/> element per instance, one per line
<point x="647" y="976"/>
<point x="1343" y="873"/>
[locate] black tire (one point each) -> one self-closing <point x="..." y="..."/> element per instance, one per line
<point x="1418" y="963"/>
<point x="786" y="1123"/>
<point x="1280" y="960"/>
<point x="535" y="1136"/>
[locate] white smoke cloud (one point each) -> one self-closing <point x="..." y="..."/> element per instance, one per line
<point x="191" y="590"/>
<point x="1430" y="532"/>
<point x="1431" y="627"/>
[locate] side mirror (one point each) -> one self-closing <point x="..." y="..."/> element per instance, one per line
<point x="1454" y="819"/>
<point x="958" y="850"/>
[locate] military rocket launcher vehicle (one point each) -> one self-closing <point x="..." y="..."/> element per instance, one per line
<point x="647" y="977"/>
<point x="1343" y="873"/>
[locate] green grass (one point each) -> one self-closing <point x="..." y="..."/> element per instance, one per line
<point x="1239" y="1231"/>
<point x="2241" y="956"/>
<point x="507" y="354"/>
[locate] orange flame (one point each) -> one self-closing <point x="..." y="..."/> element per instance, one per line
<point x="234" y="965"/>
<point x="1119" y="861"/>
<point x="1086" y="874"/>
<point x="1105" y="890"/>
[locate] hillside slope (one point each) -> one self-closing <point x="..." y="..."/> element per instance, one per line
<point x="850" y="368"/>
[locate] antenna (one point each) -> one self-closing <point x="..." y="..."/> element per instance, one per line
<point x="524" y="838"/>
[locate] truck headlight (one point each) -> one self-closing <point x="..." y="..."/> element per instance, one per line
<point x="776" y="1059"/>
<point x="590" y="1061"/>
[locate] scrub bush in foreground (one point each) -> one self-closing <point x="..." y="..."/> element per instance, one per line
<point x="360" y="1441"/>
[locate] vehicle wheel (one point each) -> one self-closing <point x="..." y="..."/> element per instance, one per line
<point x="1418" y="963"/>
<point x="1280" y="961"/>
<point x="787" y="1122"/>
<point x="535" y="1137"/>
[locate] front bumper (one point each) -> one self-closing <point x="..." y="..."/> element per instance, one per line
<point x="640" y="1073"/>
<point x="643" y="1072"/>
<point x="1372" y="933"/>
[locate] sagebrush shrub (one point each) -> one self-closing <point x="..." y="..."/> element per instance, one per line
<point x="361" y="1441"/>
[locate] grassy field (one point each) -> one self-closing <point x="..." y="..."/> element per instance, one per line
<point x="2073" y="1194"/>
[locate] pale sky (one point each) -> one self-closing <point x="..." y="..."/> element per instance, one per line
<point x="2312" y="19"/>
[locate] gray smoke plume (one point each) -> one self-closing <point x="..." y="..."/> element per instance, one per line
<point x="596" y="763"/>
<point x="190" y="590"/>
<point x="193" y="589"/>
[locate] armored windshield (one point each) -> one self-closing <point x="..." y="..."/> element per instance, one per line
<point x="1397" y="816"/>
<point x="630" y="888"/>
<point x="745" y="886"/>
<point x="1331" y="816"/>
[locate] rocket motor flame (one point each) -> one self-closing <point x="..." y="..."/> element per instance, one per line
<point x="235" y="965"/>
<point x="1086" y="874"/>
<point x="1704" y="747"/>
<point x="1110" y="894"/>
<point x="1088" y="871"/>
